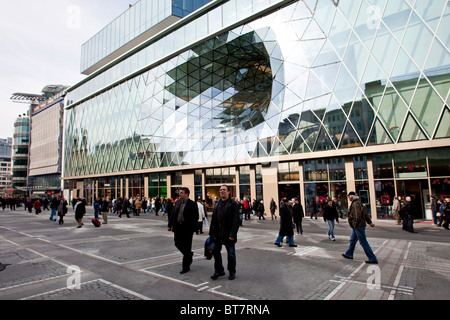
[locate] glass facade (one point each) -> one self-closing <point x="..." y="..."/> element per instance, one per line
<point x="139" y="18"/>
<point x="262" y="79"/>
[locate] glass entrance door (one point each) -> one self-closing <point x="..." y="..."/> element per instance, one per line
<point x="414" y="189"/>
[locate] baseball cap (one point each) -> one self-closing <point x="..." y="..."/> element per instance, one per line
<point x="352" y="194"/>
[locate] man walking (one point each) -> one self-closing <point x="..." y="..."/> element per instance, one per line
<point x="396" y="206"/>
<point x="223" y="231"/>
<point x="286" y="229"/>
<point x="408" y="217"/>
<point x="273" y="207"/>
<point x="298" y="214"/>
<point x="357" y="219"/>
<point x="183" y="223"/>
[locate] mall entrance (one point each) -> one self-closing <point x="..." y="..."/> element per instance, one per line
<point x="419" y="193"/>
<point x="289" y="191"/>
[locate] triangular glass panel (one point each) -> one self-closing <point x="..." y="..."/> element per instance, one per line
<point x="385" y="48"/>
<point x="411" y="131"/>
<point x="439" y="57"/>
<point x="339" y="34"/>
<point x="379" y="135"/>
<point x="396" y="16"/>
<point x="309" y="127"/>
<point x="316" y="87"/>
<point x="349" y="138"/>
<point x="425" y="105"/>
<point x="346" y="88"/>
<point x="323" y="141"/>
<point x="278" y="148"/>
<point x="311" y="48"/>
<point x="311" y="4"/>
<point x="349" y="11"/>
<point x="417" y="37"/>
<point x="362" y="118"/>
<point x="326" y="56"/>
<point x="356" y="58"/>
<point x="334" y="122"/>
<point x="313" y="31"/>
<point x="431" y="13"/>
<point x="373" y="74"/>
<point x="392" y="111"/>
<point x="443" y="130"/>
<point x="367" y="24"/>
<point x="299" y="145"/>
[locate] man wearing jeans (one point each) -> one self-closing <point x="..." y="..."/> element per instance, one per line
<point x="357" y="219"/>
<point x="183" y="224"/>
<point x="223" y="231"/>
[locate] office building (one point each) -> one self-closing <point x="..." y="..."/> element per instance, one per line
<point x="308" y="99"/>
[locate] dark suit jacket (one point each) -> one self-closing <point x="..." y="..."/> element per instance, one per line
<point x="228" y="225"/>
<point x="190" y="215"/>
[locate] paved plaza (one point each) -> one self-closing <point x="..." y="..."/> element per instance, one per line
<point x="135" y="259"/>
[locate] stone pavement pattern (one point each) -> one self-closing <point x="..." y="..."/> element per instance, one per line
<point x="135" y="259"/>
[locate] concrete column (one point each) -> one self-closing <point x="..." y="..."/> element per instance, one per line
<point x="189" y="182"/>
<point x="253" y="184"/>
<point x="145" y="186"/>
<point x="373" y="196"/>
<point x="270" y="186"/>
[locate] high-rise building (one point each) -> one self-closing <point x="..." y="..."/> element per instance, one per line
<point x="20" y="149"/>
<point x="275" y="98"/>
<point x="46" y="142"/>
<point x="5" y="165"/>
<point x="38" y="136"/>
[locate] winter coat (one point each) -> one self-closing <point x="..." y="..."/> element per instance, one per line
<point x="285" y="222"/>
<point x="357" y="214"/>
<point x="227" y="226"/>
<point x="330" y="213"/>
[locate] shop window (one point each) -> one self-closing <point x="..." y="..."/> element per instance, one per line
<point x="411" y="164"/>
<point x="382" y="166"/>
<point x="385" y="192"/>
<point x="438" y="161"/>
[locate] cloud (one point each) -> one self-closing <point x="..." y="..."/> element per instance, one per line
<point x="40" y="43"/>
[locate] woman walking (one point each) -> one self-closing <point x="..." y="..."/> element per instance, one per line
<point x="330" y="214"/>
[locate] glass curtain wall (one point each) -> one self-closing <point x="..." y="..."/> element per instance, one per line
<point x="310" y="76"/>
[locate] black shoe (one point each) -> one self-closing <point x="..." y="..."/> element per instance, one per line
<point x="371" y="262"/>
<point x="215" y="276"/>
<point x="293" y="245"/>
<point x="185" y="270"/>
<point x="232" y="276"/>
<point x="278" y="245"/>
<point x="346" y="257"/>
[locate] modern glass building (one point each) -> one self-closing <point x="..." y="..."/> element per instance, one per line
<point x="308" y="99"/>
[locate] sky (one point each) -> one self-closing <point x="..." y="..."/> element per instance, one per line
<point x="40" y="44"/>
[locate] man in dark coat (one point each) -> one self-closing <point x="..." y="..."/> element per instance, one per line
<point x="408" y="216"/>
<point x="298" y="214"/>
<point x="183" y="223"/>
<point x="286" y="229"/>
<point x="224" y="227"/>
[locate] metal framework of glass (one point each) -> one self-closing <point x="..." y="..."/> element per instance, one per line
<point x="266" y="78"/>
<point x="139" y="18"/>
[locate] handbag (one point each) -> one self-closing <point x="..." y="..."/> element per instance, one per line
<point x="209" y="248"/>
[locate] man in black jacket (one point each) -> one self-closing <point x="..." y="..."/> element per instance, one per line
<point x="223" y="231"/>
<point x="183" y="223"/>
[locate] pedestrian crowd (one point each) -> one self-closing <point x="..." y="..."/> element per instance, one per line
<point x="186" y="217"/>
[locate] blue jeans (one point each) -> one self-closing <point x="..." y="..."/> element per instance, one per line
<point x="331" y="228"/>
<point x="280" y="239"/>
<point x="53" y="215"/>
<point x="359" y="234"/>
<point x="231" y="257"/>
